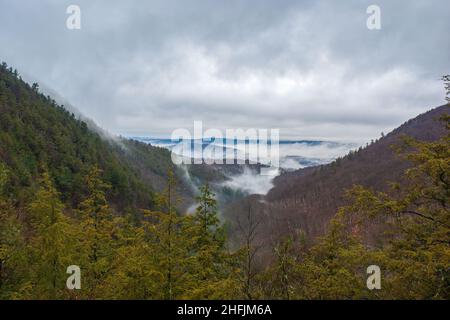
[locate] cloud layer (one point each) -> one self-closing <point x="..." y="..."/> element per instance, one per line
<point x="310" y="68"/>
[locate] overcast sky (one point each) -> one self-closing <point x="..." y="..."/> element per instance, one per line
<point x="311" y="68"/>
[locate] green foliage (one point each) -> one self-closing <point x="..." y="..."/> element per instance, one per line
<point x="50" y="245"/>
<point x="210" y="263"/>
<point x="164" y="229"/>
<point x="96" y="233"/>
<point x="13" y="260"/>
<point x="35" y="132"/>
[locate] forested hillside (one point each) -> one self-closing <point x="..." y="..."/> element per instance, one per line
<point x="37" y="134"/>
<point x="72" y="195"/>
<point x="400" y="226"/>
<point x="307" y="199"/>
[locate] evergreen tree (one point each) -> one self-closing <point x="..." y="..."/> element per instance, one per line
<point x="133" y="273"/>
<point x="167" y="244"/>
<point x="211" y="264"/>
<point x="96" y="234"/>
<point x="51" y="243"/>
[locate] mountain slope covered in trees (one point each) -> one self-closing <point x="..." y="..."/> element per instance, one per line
<point x="71" y="196"/>
<point x="307" y="199"/>
<point x="37" y="134"/>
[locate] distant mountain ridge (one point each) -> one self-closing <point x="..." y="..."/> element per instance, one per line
<point x="293" y="154"/>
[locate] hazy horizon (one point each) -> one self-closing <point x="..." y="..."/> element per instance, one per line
<point x="312" y="69"/>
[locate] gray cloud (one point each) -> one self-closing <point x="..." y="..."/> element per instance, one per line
<point x="311" y="68"/>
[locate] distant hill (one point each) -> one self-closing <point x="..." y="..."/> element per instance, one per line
<point x="308" y="198"/>
<point x="37" y="133"/>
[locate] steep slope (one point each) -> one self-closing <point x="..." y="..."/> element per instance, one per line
<point x="307" y="199"/>
<point x="38" y="134"/>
